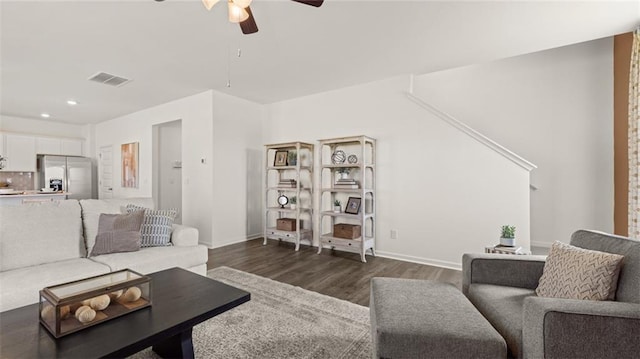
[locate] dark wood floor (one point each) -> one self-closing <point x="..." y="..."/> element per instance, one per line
<point x="335" y="273"/>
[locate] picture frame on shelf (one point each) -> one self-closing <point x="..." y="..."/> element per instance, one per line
<point x="280" y="158"/>
<point x="353" y="205"/>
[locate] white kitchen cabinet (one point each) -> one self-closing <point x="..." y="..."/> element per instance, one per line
<point x="20" y="152"/>
<point x="72" y="147"/>
<point x="48" y="146"/>
<point x="59" y="146"/>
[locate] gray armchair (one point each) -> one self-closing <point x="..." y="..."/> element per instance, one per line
<point x="502" y="288"/>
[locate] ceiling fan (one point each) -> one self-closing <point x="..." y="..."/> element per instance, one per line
<point x="240" y="12"/>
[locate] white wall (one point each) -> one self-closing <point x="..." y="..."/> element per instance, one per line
<point x="169" y="179"/>
<point x="445" y="193"/>
<point x="555" y="108"/>
<point x="196" y="113"/>
<point x="219" y="133"/>
<point x="237" y="141"/>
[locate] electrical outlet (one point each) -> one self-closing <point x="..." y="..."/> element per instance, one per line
<point x="394" y="234"/>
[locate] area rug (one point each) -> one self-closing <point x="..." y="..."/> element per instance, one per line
<point x="281" y="321"/>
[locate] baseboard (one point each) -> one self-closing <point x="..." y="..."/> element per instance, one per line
<point x="541" y="244"/>
<point x="255" y="236"/>
<point x="419" y="260"/>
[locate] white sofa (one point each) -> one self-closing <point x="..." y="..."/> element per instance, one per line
<point x="43" y="244"/>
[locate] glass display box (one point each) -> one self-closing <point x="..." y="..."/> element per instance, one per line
<point x="73" y="306"/>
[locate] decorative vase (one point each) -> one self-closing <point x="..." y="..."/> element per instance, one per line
<point x="343" y="175"/>
<point x="337" y="209"/>
<point x="293" y="206"/>
<point x="509" y="242"/>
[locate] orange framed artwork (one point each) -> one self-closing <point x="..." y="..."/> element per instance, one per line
<point x="130" y="165"/>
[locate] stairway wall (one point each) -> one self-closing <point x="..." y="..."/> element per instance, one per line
<point x="554" y="108"/>
<point x="444" y="192"/>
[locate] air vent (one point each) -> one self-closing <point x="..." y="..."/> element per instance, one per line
<point x="108" y="79"/>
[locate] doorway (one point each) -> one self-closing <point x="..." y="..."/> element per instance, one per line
<point x="167" y="166"/>
<point x="105" y="163"/>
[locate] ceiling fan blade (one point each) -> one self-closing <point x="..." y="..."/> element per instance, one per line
<point x="249" y="26"/>
<point x="316" y="3"/>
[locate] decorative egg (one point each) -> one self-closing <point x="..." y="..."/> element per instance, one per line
<point x="47" y="312"/>
<point x="115" y="295"/>
<point x="338" y="157"/>
<point x="74" y="307"/>
<point x="131" y="295"/>
<point x="65" y="311"/>
<point x="85" y="314"/>
<point x="100" y="302"/>
<point x="81" y="309"/>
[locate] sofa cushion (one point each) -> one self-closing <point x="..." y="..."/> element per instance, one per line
<point x="156" y="226"/>
<point x="576" y="273"/>
<point x="36" y="233"/>
<point x="502" y="306"/>
<point x="21" y="286"/>
<point x="153" y="259"/>
<point x="92" y="208"/>
<point x="118" y="233"/>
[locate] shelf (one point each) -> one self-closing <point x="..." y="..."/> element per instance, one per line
<point x="347" y="140"/>
<point x="329" y="236"/>
<point x="273" y="232"/>
<point x="345" y="215"/>
<point x="279" y="168"/>
<point x="289" y="145"/>
<point x="347" y="190"/>
<point x="289" y="210"/>
<point x="347" y="165"/>
<point x="293" y="189"/>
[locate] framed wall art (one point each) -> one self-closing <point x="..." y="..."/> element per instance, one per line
<point x="129" y="152"/>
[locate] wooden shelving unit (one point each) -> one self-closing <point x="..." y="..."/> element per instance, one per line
<point x="302" y="173"/>
<point x="355" y="155"/>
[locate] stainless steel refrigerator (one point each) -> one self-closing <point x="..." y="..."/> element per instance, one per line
<point x="73" y="174"/>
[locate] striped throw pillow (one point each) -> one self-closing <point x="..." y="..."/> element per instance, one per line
<point x="156" y="227"/>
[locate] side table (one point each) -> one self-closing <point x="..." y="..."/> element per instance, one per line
<point x="506" y="250"/>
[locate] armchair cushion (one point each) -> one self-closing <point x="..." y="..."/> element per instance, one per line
<point x="577" y="273"/>
<point x="502" y="306"/>
<point x="598" y="329"/>
<point x="521" y="271"/>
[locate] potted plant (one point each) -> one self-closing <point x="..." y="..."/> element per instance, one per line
<point x="343" y="172"/>
<point x="293" y="201"/>
<point x="508" y="236"/>
<point x="337" y="206"/>
<point x="2" y="160"/>
<point x="292" y="158"/>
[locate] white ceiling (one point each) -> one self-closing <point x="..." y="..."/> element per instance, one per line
<point x="175" y="48"/>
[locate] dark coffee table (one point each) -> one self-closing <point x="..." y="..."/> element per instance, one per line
<point x="181" y="299"/>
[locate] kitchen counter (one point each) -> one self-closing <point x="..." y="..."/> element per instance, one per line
<point x="30" y="197"/>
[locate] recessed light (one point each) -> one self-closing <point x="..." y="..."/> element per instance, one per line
<point x="45" y="115"/>
<point x="72" y="102"/>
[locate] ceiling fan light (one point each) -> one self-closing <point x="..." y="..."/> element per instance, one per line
<point x="242" y="3"/>
<point x="236" y="13"/>
<point x="209" y="3"/>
